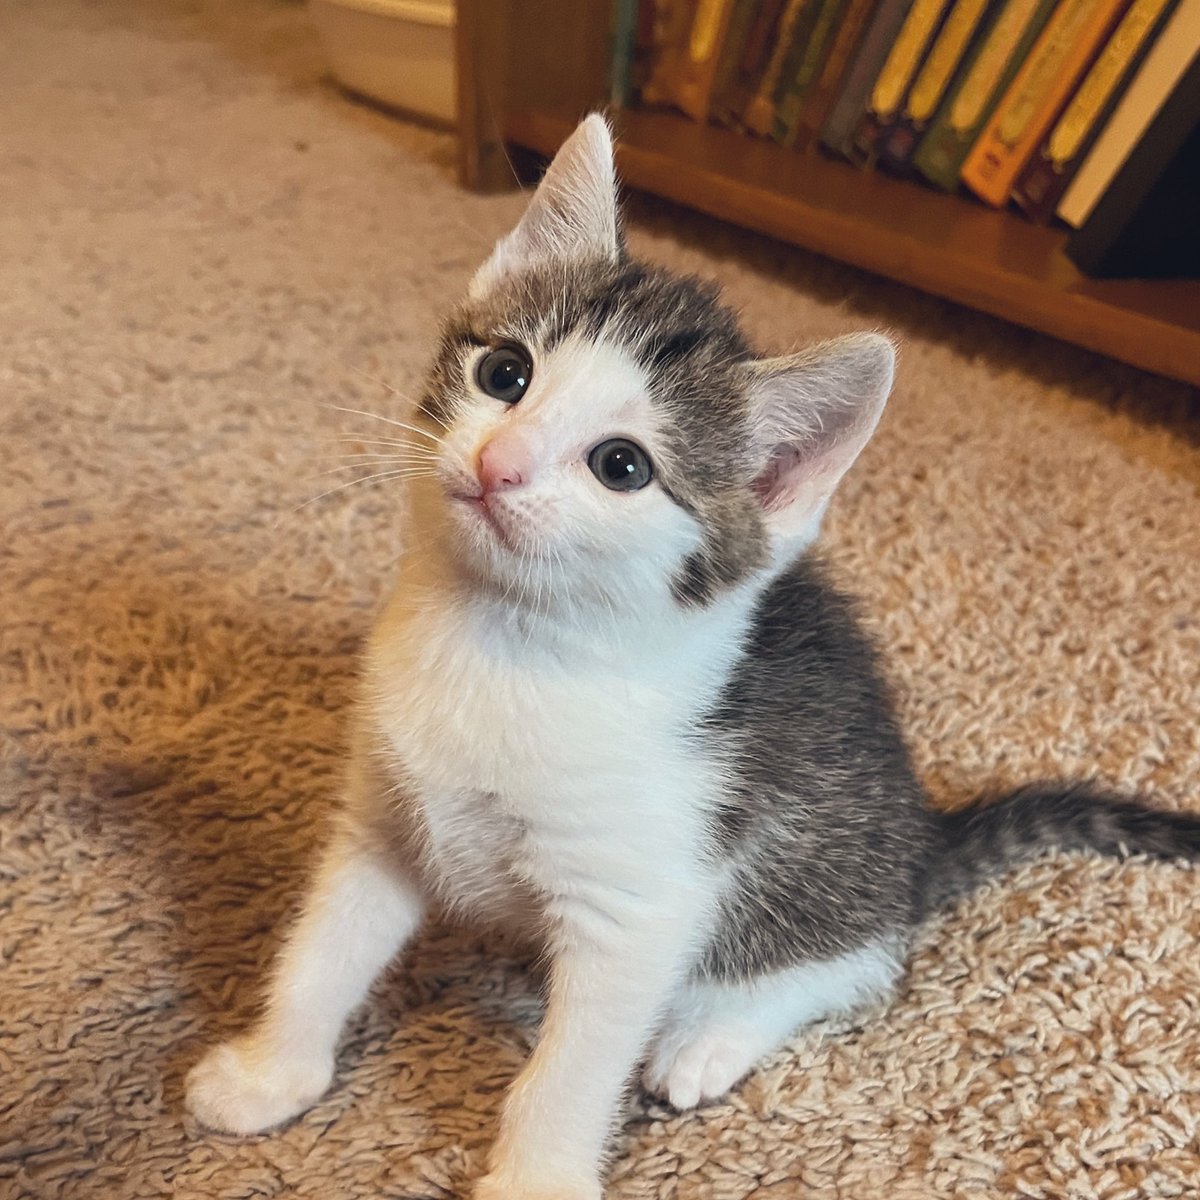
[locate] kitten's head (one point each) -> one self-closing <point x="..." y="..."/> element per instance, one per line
<point x="607" y="432"/>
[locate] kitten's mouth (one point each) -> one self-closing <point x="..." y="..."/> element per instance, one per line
<point x="479" y="505"/>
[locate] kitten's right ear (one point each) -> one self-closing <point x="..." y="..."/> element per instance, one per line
<point x="814" y="412"/>
<point x="573" y="213"/>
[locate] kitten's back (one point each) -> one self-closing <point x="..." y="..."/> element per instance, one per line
<point x="825" y="822"/>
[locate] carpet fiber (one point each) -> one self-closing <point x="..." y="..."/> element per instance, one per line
<point x="201" y="243"/>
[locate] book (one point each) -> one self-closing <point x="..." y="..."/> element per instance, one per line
<point x="964" y="26"/>
<point x="759" y="114"/>
<point x="645" y="45"/>
<point x="698" y="71"/>
<point x="817" y="103"/>
<point x="672" y="25"/>
<point x="1045" y="177"/>
<point x="974" y="94"/>
<point x="817" y="43"/>
<point x="1156" y="79"/>
<point x="837" y="134"/>
<point x="735" y="87"/>
<point x="1144" y="224"/>
<point x="729" y="53"/>
<point x="801" y="39"/>
<point x="1071" y="40"/>
<point x="624" y="39"/>
<point x="890" y="89"/>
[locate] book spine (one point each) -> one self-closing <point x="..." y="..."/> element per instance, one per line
<point x="624" y="35"/>
<point x="965" y="24"/>
<point x="788" y="79"/>
<point x="699" y="68"/>
<point x="1046" y="175"/>
<point x="645" y="46"/>
<point x="1067" y="45"/>
<point x="759" y="114"/>
<point x="974" y="94"/>
<point x="886" y="98"/>
<point x="824" y="91"/>
<point x="837" y="134"/>
<point x="729" y="61"/>
<point x="673" y="21"/>
<point x="818" y="44"/>
<point x="753" y="54"/>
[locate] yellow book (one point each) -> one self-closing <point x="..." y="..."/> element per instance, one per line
<point x="759" y="116"/>
<point x="674" y="21"/>
<point x="945" y="56"/>
<point x="699" y="68"/>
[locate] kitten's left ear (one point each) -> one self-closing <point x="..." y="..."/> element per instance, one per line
<point x="815" y="411"/>
<point x="573" y="213"/>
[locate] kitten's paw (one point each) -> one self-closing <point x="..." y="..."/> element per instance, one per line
<point x="238" y="1088"/>
<point x="503" y="1185"/>
<point x="702" y="1069"/>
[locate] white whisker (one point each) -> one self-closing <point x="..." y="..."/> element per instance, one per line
<point x="358" y="412"/>
<point x="395" y="391"/>
<point x="413" y="470"/>
<point x="352" y="483"/>
<point x="379" y="440"/>
<point x="413" y="449"/>
<point x="377" y="456"/>
<point x="383" y="383"/>
<point x="434" y="417"/>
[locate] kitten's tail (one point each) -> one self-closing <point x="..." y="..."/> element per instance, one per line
<point x="991" y="836"/>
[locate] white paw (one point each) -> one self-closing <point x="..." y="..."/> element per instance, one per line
<point x="503" y="1185"/>
<point x="704" y="1068"/>
<point x="239" y="1088"/>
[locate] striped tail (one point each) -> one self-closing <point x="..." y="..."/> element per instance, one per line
<point x="989" y="837"/>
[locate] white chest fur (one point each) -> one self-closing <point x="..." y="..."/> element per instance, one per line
<point x="546" y="782"/>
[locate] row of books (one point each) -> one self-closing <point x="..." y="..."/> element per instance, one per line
<point x="1036" y="101"/>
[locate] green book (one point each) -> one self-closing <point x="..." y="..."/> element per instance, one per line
<point x="801" y="36"/>
<point x="728" y="86"/>
<point x="624" y="33"/>
<point x="977" y="89"/>
<point x="837" y="134"/>
<point x="822" y="96"/>
<point x="820" y="38"/>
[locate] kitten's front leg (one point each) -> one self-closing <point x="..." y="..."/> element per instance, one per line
<point x="609" y="983"/>
<point x="361" y="909"/>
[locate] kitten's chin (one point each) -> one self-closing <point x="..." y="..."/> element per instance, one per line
<point x="500" y="554"/>
<point x="511" y="581"/>
<point x="486" y="547"/>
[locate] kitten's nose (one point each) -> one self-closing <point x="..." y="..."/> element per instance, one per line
<point x="503" y="463"/>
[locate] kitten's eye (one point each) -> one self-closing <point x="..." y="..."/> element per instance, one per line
<point x="505" y="373"/>
<point x="621" y="465"/>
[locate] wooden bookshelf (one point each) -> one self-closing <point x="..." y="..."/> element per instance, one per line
<point x="946" y="245"/>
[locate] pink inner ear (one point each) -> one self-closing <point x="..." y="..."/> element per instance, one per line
<point x="775" y="483"/>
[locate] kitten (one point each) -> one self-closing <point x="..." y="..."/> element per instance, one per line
<point x="613" y="706"/>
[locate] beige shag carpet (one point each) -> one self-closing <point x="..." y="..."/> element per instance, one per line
<point x="201" y="241"/>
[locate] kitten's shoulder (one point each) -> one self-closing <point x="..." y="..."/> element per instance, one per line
<point x="809" y="677"/>
<point x="804" y="619"/>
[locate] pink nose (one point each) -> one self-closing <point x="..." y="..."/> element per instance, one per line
<point x="503" y="464"/>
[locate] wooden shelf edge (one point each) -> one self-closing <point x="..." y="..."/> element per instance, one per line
<point x="944" y="245"/>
